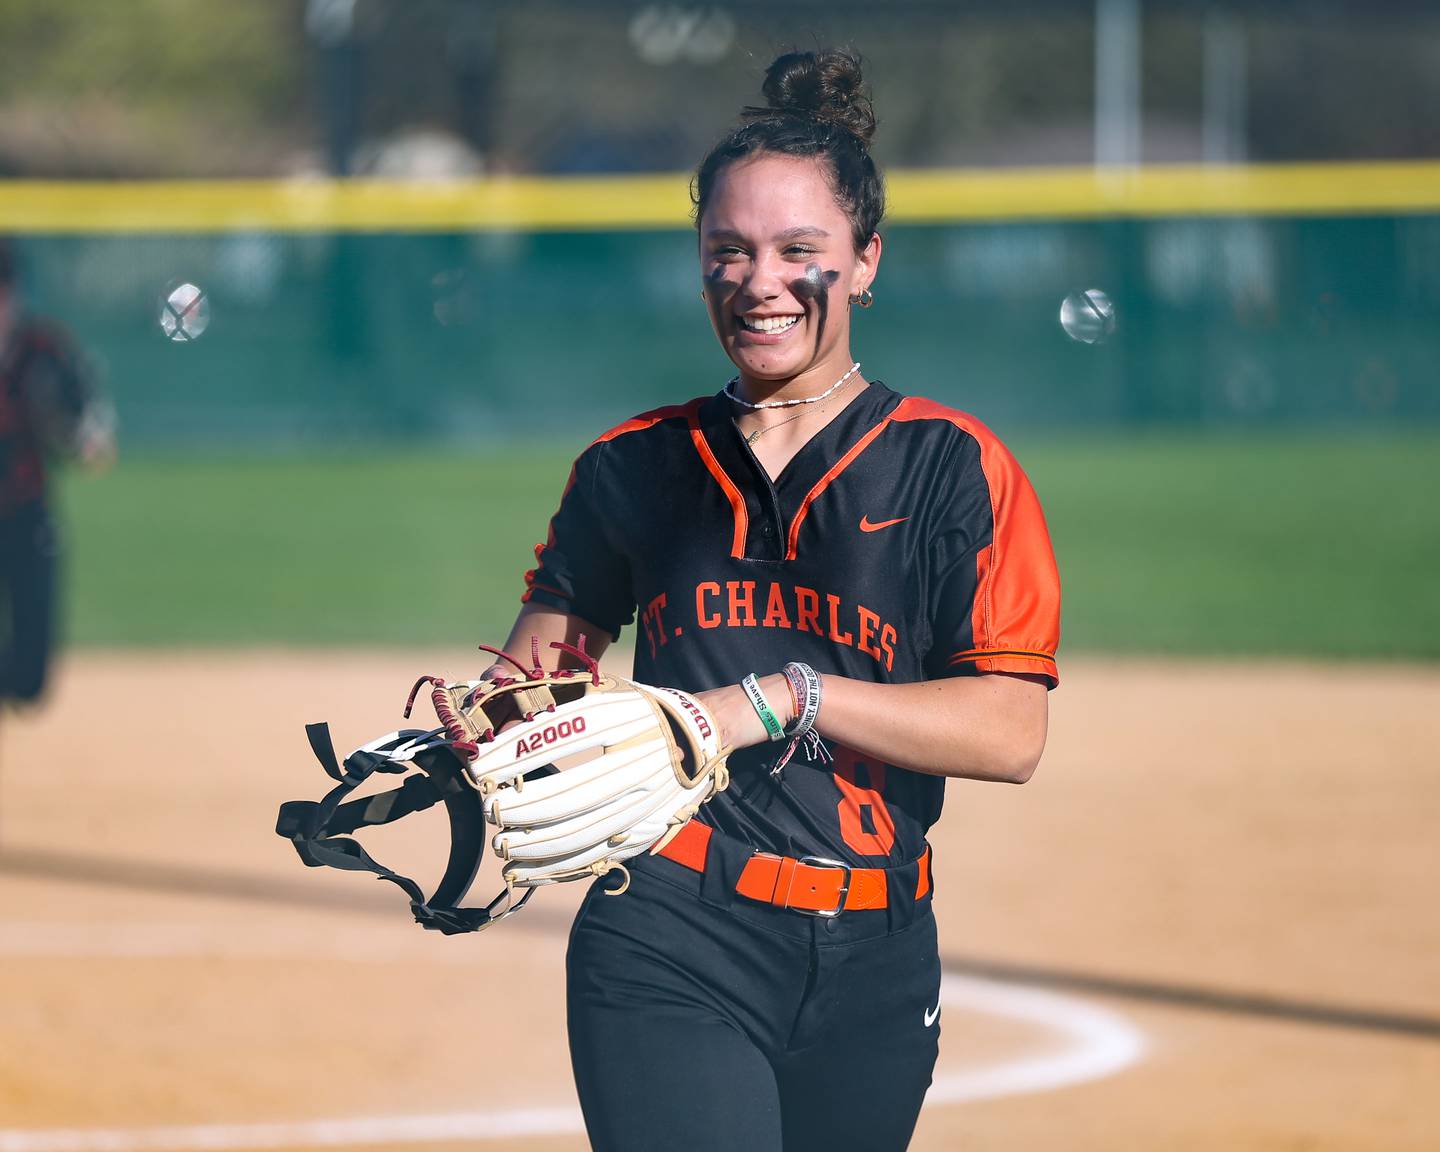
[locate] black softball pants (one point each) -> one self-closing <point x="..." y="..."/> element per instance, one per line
<point x="27" y="601"/>
<point x="698" y="1026"/>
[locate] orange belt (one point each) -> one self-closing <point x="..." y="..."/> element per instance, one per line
<point x="819" y="888"/>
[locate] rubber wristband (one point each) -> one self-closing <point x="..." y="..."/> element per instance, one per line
<point x="762" y="707"/>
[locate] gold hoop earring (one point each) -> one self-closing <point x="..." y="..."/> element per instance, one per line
<point x="865" y="299"/>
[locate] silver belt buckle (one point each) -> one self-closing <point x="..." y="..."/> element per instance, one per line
<point x="828" y="914"/>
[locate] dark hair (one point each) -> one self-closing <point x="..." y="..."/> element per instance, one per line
<point x="816" y="107"/>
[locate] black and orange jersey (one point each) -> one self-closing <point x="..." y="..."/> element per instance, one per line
<point x="901" y="543"/>
<point x="44" y="388"/>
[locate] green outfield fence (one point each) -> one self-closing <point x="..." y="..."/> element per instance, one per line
<point x="280" y="483"/>
<point x="1249" y="297"/>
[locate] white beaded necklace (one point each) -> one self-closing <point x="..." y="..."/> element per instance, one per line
<point x="730" y="391"/>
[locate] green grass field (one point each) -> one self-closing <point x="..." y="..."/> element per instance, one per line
<point x="1315" y="546"/>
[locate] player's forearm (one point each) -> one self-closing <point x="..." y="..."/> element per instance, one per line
<point x="548" y="625"/>
<point x="983" y="727"/>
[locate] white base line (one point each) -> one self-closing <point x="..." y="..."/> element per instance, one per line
<point x="1091" y="1043"/>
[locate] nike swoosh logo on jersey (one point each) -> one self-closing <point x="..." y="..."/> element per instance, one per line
<point x="866" y="526"/>
<point x="931" y="1017"/>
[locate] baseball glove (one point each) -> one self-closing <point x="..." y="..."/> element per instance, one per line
<point x="575" y="771"/>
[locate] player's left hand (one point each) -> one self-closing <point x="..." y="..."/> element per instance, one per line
<point x="96" y="451"/>
<point x="95" y="447"/>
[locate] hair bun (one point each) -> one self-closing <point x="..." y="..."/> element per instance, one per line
<point x="825" y="85"/>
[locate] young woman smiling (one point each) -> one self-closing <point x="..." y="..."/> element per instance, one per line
<point x="860" y="587"/>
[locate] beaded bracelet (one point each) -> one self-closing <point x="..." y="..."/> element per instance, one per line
<point x="762" y="707"/>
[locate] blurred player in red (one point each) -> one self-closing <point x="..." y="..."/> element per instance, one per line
<point x="49" y="407"/>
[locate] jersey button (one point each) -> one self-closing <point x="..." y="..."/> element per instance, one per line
<point x="766" y="529"/>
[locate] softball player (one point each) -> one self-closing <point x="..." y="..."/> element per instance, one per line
<point x="48" y="405"/>
<point x="771" y="978"/>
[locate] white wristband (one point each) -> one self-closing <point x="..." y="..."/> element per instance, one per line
<point x="809" y="689"/>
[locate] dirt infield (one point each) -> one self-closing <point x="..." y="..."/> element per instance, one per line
<point x="1209" y="922"/>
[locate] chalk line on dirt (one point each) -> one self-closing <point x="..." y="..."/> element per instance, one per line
<point x="1089" y="1042"/>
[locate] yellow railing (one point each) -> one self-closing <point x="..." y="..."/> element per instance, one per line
<point x="661" y="201"/>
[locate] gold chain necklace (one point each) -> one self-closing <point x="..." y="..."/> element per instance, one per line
<point x="751" y="437"/>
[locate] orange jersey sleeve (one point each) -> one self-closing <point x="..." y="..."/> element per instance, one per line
<point x="997" y="594"/>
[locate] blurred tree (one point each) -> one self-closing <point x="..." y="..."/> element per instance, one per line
<point x="190" y="88"/>
<point x="182" y="87"/>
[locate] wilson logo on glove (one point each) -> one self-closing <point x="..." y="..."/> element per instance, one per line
<point x="652" y="758"/>
<point x="696" y="712"/>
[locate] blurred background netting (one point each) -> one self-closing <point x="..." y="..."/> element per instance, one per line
<point x="147" y="144"/>
<point x="1229" y="320"/>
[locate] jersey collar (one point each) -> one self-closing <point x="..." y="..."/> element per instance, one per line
<point x="768" y="514"/>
